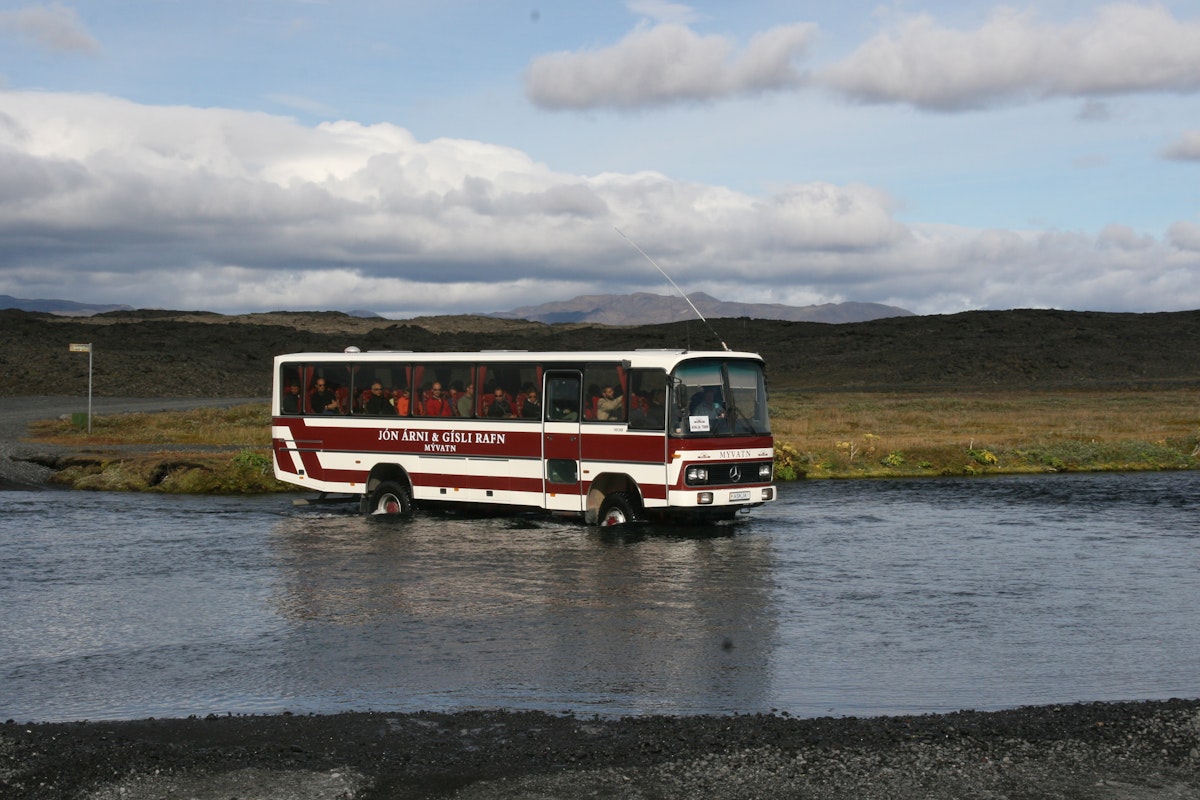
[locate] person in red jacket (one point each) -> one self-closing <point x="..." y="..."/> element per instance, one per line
<point x="437" y="404"/>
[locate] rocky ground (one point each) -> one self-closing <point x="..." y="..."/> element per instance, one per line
<point x="194" y="354"/>
<point x="1120" y="751"/>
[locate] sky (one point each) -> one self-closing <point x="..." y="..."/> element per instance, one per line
<point x="461" y="157"/>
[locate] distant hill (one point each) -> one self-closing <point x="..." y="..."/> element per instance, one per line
<point x="65" y="308"/>
<point x="643" y="308"/>
<point x="194" y="354"/>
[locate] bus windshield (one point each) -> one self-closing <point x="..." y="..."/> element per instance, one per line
<point x="719" y="397"/>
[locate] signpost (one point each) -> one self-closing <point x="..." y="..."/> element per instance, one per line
<point x="86" y="348"/>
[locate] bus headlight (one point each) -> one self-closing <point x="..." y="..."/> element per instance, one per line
<point x="764" y="472"/>
<point x="697" y="475"/>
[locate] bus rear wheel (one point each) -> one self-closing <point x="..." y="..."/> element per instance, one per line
<point x="617" y="509"/>
<point x="392" y="499"/>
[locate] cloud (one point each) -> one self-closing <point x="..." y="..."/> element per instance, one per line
<point x="1186" y="148"/>
<point x="1122" y="48"/>
<point x="666" y="64"/>
<point x="53" y="27"/>
<point x="112" y="201"/>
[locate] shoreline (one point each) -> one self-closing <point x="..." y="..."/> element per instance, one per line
<point x="1143" y="750"/>
<point x="20" y="469"/>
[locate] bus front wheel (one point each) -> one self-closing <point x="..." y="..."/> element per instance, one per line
<point x="616" y="510"/>
<point x="391" y="498"/>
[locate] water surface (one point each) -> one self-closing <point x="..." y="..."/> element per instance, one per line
<point x="844" y="598"/>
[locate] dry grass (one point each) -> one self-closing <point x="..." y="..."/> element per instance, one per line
<point x="907" y="421"/>
<point x="238" y="426"/>
<point x="875" y="434"/>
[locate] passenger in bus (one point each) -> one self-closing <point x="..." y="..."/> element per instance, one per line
<point x="290" y="402"/>
<point x="323" y="400"/>
<point x="564" y="410"/>
<point x="436" y="405"/>
<point x="466" y="401"/>
<point x="402" y="402"/>
<point x="611" y="406"/>
<point x="377" y="403"/>
<point x="653" y="415"/>
<point x="500" y="407"/>
<point x="531" y="409"/>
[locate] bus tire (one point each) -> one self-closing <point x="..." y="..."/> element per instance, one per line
<point x="616" y="509"/>
<point x="392" y="499"/>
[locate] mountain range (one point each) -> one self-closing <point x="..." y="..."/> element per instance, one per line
<point x="643" y="308"/>
<point x="640" y="308"/>
<point x="64" y="308"/>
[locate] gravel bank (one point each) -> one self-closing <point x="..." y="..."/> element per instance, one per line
<point x="1117" y="751"/>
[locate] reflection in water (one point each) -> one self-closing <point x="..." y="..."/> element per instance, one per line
<point x="444" y="611"/>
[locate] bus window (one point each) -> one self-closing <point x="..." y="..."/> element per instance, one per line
<point x="747" y="410"/>
<point x="722" y="398"/>
<point x="328" y="389"/>
<point x="290" y="399"/>
<point x="391" y="380"/>
<point x="503" y="389"/>
<point x="562" y="399"/>
<point x="439" y="387"/>
<point x="647" y="399"/>
<point x="697" y="397"/>
<point x="605" y="400"/>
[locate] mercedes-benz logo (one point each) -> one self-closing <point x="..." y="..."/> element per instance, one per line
<point x="735" y="474"/>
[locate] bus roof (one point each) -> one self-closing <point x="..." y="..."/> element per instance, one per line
<point x="637" y="358"/>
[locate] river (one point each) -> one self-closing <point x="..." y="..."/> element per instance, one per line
<point x="845" y="598"/>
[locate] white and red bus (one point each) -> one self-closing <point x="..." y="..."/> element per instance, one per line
<point x="610" y="436"/>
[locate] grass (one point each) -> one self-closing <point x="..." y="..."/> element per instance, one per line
<point x="817" y="435"/>
<point x="878" y="434"/>
<point x="203" y="451"/>
<point x="241" y="426"/>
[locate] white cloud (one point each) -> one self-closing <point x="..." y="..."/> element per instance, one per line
<point x="110" y="201"/>
<point x="1122" y="48"/>
<point x="53" y="27"/>
<point x="665" y="64"/>
<point x="1186" y="148"/>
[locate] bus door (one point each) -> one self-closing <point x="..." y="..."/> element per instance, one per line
<point x="561" y="405"/>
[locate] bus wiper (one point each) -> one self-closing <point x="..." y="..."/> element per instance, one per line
<point x="732" y="413"/>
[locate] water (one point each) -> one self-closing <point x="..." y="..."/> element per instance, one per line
<point x="844" y="598"/>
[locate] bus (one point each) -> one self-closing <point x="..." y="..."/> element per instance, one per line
<point x="610" y="437"/>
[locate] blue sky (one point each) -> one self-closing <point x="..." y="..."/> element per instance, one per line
<point x="453" y="157"/>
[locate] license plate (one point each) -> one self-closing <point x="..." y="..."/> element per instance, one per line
<point x="739" y="496"/>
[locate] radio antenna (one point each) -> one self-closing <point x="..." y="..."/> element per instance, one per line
<point x="683" y="294"/>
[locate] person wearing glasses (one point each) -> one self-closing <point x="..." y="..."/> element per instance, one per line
<point x="323" y="400"/>
<point x="531" y="408"/>
<point x="377" y="404"/>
